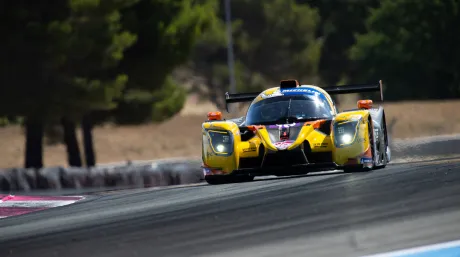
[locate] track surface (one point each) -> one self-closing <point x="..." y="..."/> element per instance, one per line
<point x="404" y="205"/>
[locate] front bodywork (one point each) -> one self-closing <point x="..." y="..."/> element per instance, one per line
<point x="231" y="148"/>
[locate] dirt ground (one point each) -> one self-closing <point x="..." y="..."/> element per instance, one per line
<point x="180" y="136"/>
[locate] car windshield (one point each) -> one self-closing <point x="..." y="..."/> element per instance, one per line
<point x="288" y="109"/>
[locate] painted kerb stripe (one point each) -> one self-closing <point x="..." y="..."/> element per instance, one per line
<point x="448" y="249"/>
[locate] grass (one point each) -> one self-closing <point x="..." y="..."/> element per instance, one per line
<point x="181" y="137"/>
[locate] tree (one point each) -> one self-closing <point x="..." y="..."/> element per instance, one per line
<point x="167" y="33"/>
<point x="340" y="21"/>
<point x="70" y="140"/>
<point x="273" y="40"/>
<point x="102" y="43"/>
<point x="413" y="46"/>
<point x="88" y="145"/>
<point x="57" y="60"/>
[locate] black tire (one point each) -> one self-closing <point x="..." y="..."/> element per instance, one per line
<point x="217" y="179"/>
<point x="226" y="179"/>
<point x="384" y="145"/>
<point x="245" y="178"/>
<point x="360" y="168"/>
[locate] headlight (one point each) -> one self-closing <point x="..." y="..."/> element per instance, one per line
<point x="345" y="132"/>
<point x="221" y="141"/>
<point x="220" y="148"/>
<point x="347" y="138"/>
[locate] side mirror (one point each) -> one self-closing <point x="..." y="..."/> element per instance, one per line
<point x="365" y="104"/>
<point x="214" y="116"/>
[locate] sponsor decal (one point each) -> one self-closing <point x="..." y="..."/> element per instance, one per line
<point x="207" y="171"/>
<point x="366" y="160"/>
<point x="252" y="148"/>
<point x="283" y="145"/>
<point x="296" y="91"/>
<point x="340" y="130"/>
<point x="276" y="93"/>
<point x="301" y="90"/>
<point x="321" y="145"/>
<point x="212" y="171"/>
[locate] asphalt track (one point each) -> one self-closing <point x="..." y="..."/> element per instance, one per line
<point x="402" y="206"/>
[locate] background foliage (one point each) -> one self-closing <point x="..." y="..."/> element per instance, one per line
<point x="77" y="56"/>
<point x="414" y="46"/>
<point x="114" y="59"/>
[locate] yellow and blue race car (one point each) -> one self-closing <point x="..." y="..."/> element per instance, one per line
<point x="294" y="129"/>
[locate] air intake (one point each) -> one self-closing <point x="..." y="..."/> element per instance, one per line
<point x="289" y="83"/>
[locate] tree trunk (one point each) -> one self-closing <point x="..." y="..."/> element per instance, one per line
<point x="34" y="143"/>
<point x="87" y="127"/>
<point x="71" y="142"/>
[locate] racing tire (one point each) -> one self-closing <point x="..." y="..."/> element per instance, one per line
<point x="360" y="167"/>
<point x="226" y="179"/>
<point x="216" y="179"/>
<point x="354" y="169"/>
<point x="384" y="159"/>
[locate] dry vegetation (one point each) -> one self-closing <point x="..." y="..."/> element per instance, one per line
<point x="180" y="136"/>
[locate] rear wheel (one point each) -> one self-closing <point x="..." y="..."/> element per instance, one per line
<point x="383" y="147"/>
<point x="246" y="178"/>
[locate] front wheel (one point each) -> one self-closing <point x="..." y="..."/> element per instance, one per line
<point x="358" y="168"/>
<point x="226" y="179"/>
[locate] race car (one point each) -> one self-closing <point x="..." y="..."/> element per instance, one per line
<point x="294" y="129"/>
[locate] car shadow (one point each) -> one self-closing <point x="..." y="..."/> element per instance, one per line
<point x="312" y="174"/>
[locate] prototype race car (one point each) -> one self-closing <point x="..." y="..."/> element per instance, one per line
<point x="294" y="129"/>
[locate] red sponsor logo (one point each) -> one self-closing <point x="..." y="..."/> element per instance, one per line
<point x="283" y="144"/>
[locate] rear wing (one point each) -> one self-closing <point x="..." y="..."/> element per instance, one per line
<point x="239" y="98"/>
<point x="332" y="90"/>
<point x="358" y="88"/>
<point x="249" y="97"/>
